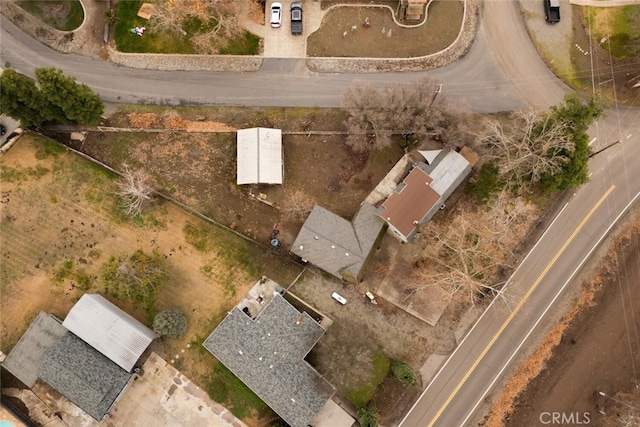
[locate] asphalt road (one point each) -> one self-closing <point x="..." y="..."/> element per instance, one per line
<point x="475" y="82"/>
<point x="501" y="72"/>
<point x="459" y="389"/>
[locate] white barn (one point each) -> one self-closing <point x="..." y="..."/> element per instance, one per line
<point x="108" y="329"/>
<point x="260" y="156"/>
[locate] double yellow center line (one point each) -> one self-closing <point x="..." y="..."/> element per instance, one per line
<point x="519" y="306"/>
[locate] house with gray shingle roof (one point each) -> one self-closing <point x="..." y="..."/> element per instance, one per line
<point x="335" y="245"/>
<point x="90" y="369"/>
<point x="83" y="375"/>
<point x="48" y="352"/>
<point x="267" y="352"/>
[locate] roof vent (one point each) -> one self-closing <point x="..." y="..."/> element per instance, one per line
<point x="316" y="237"/>
<point x="333" y="246"/>
<point x="346" y="253"/>
<point x="240" y="351"/>
<point x="301" y="247"/>
<point x="415" y="222"/>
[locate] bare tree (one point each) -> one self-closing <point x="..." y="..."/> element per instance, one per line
<point x="297" y="204"/>
<point x="508" y="219"/>
<point x="418" y="109"/>
<point x="629" y="419"/>
<point x="464" y="256"/>
<point x="217" y="21"/>
<point x="135" y="192"/>
<point x="366" y="117"/>
<point x="461" y="261"/>
<point x="531" y="146"/>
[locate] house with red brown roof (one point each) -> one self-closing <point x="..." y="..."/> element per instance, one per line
<point x="423" y="192"/>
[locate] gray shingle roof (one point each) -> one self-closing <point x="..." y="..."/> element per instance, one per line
<point x="336" y="245"/>
<point x="25" y="359"/>
<point x="267" y="354"/>
<point x="83" y="375"/>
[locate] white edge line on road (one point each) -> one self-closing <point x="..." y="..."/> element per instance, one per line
<point x="548" y="307"/>
<point x="483" y="314"/>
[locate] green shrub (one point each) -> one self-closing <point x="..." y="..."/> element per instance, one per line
<point x="486" y="183"/>
<point x="171" y="322"/>
<point x="367" y="418"/>
<point x="137" y="276"/>
<point x="404" y="373"/>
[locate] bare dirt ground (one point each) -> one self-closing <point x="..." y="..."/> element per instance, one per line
<point x="337" y="36"/>
<point x="57" y="208"/>
<point x="199" y="169"/>
<point x="600" y="350"/>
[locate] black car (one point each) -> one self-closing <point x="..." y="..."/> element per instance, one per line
<point x="3" y="130"/>
<point x="296" y="18"/>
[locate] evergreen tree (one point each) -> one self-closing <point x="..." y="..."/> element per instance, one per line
<point x="21" y="99"/>
<point x="55" y="98"/>
<point x="69" y="101"/>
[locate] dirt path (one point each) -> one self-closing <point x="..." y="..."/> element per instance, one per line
<point x="600" y="351"/>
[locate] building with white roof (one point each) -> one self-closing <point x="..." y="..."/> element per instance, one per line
<point x="111" y="331"/>
<point x="259" y="156"/>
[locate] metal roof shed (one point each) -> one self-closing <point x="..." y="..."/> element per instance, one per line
<point x="111" y="331"/>
<point x="259" y="156"/>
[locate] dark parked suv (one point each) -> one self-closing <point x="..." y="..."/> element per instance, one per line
<point x="296" y="18"/>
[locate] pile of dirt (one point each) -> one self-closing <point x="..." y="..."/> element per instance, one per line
<point x="176" y="122"/>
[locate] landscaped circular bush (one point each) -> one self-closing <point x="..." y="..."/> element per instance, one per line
<point x="404" y="373"/>
<point x="171" y="322"/>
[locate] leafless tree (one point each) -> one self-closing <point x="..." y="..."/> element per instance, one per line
<point x="218" y="18"/>
<point x="461" y="260"/>
<point x="629" y="419"/>
<point x="135" y="192"/>
<point x="464" y="256"/>
<point x="418" y="109"/>
<point x="297" y="204"/>
<point x="366" y="117"/>
<point x="508" y="219"/>
<point x="532" y="145"/>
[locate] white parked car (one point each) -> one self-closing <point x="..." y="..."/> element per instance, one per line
<point x="276" y="14"/>
<point x="336" y="296"/>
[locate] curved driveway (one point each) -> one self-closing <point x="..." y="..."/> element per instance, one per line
<point x="476" y="81"/>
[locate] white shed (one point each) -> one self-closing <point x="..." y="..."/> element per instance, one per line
<point x="109" y="330"/>
<point x="260" y="156"/>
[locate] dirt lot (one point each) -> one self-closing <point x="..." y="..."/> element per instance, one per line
<point x="384" y="38"/>
<point x="57" y="208"/>
<point x="199" y="169"/>
<point x="600" y="351"/>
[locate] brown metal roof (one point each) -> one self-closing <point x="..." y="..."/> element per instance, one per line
<point x="411" y="201"/>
